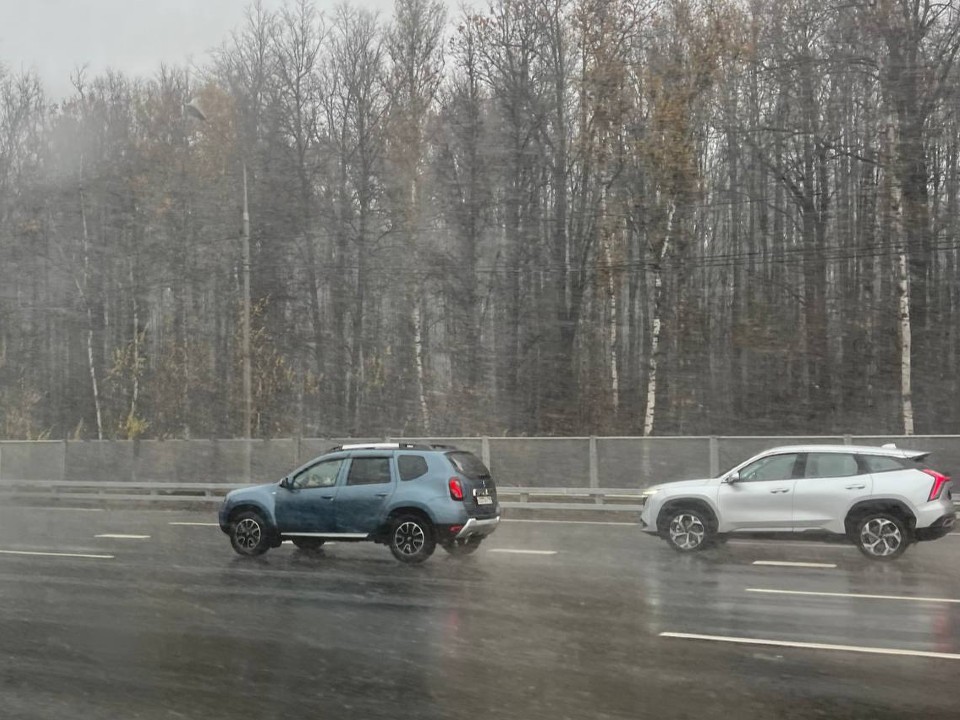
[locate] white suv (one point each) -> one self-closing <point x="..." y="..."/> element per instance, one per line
<point x="881" y="499"/>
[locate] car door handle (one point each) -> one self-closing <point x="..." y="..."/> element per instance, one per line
<point x="382" y="494"/>
<point x="855" y="487"/>
<point x="327" y="497"/>
<point x="780" y="490"/>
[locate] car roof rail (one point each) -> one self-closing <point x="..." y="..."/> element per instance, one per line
<point x="385" y="446"/>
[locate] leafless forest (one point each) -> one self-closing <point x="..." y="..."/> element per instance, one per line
<point x="535" y="217"/>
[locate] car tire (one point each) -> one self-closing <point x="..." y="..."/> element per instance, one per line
<point x="308" y="544"/>
<point x="462" y="548"/>
<point x="249" y="534"/>
<point x="687" y="529"/>
<point x="412" y="539"/>
<point x="882" y="536"/>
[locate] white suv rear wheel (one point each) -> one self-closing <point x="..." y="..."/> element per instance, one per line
<point x="881" y="536"/>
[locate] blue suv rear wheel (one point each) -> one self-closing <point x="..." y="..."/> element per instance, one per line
<point x="412" y="538"/>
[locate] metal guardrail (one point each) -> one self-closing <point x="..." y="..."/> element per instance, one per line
<point x="528" y="498"/>
<point x="532" y="498"/>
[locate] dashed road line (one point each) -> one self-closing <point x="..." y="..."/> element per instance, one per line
<point x="69" y="509"/>
<point x="118" y="536"/>
<point x="513" y="551"/>
<point x="865" y="596"/>
<point x="812" y="646"/>
<point x="569" y="522"/>
<point x="57" y="554"/>
<point x="805" y="545"/>
<point x="784" y="563"/>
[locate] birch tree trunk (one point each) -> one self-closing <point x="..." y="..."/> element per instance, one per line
<point x="135" y="395"/>
<point x="650" y="414"/>
<point x="84" y="295"/>
<point x="906" y="390"/>
<point x="420" y="350"/>
<point x="899" y="243"/>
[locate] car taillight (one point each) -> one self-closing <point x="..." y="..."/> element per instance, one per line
<point x="939" y="480"/>
<point x="456" y="489"/>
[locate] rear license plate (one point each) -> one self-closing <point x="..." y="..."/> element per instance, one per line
<point x="484" y="500"/>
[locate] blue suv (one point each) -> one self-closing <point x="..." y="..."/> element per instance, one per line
<point x="410" y="497"/>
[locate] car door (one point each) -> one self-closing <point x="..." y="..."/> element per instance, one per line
<point x="370" y="481"/>
<point x="831" y="484"/>
<point x="761" y="499"/>
<point x="305" y="504"/>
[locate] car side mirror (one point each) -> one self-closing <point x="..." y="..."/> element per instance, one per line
<point x="285" y="483"/>
<point x="733" y="478"/>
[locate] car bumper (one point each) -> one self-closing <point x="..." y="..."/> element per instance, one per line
<point x="222" y="516"/>
<point x="478" y="528"/>
<point x="647" y="518"/>
<point x="938" y="529"/>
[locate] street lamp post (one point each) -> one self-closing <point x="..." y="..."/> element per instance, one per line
<point x="193" y="109"/>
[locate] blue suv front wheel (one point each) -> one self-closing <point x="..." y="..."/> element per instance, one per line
<point x="249" y="533"/>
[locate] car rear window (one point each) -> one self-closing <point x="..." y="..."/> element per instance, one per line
<point x="468" y="464"/>
<point x="411" y="467"/>
<point x="885" y="463"/>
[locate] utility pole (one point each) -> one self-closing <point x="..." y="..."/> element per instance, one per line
<point x="193" y="109"/>
<point x="247" y="390"/>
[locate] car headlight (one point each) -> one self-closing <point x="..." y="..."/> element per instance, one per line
<point x="647" y="494"/>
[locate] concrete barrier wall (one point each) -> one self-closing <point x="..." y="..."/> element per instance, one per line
<point x="606" y="462"/>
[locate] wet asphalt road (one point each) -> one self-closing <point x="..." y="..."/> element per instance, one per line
<point x="177" y="626"/>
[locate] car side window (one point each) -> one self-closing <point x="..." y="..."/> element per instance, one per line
<point x="411" y="467"/>
<point x="881" y="463"/>
<point x="829" y="465"/>
<point x="772" y="467"/>
<point x="323" y="474"/>
<point x="369" y="471"/>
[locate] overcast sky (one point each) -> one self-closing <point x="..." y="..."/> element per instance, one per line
<point x="53" y="37"/>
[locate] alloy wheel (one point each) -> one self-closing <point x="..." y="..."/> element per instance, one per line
<point x="409" y="538"/>
<point x="687" y="531"/>
<point x="880" y="537"/>
<point x="248" y="533"/>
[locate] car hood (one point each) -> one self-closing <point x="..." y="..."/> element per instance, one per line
<point x="681" y="484"/>
<point x="258" y="492"/>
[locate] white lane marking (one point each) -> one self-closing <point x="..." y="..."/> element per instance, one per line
<point x="812" y="646"/>
<point x="569" y="522"/>
<point x="195" y="524"/>
<point x="117" y="536"/>
<point x="771" y="591"/>
<point x="784" y="563"/>
<point x="523" y="552"/>
<point x="808" y="545"/>
<point x="56" y="554"/>
<point x="71" y="509"/>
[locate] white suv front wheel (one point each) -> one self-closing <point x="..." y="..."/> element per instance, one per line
<point x="687" y="529"/>
<point x="882" y="536"/>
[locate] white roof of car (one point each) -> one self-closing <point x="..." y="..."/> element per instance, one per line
<point x="888" y="450"/>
